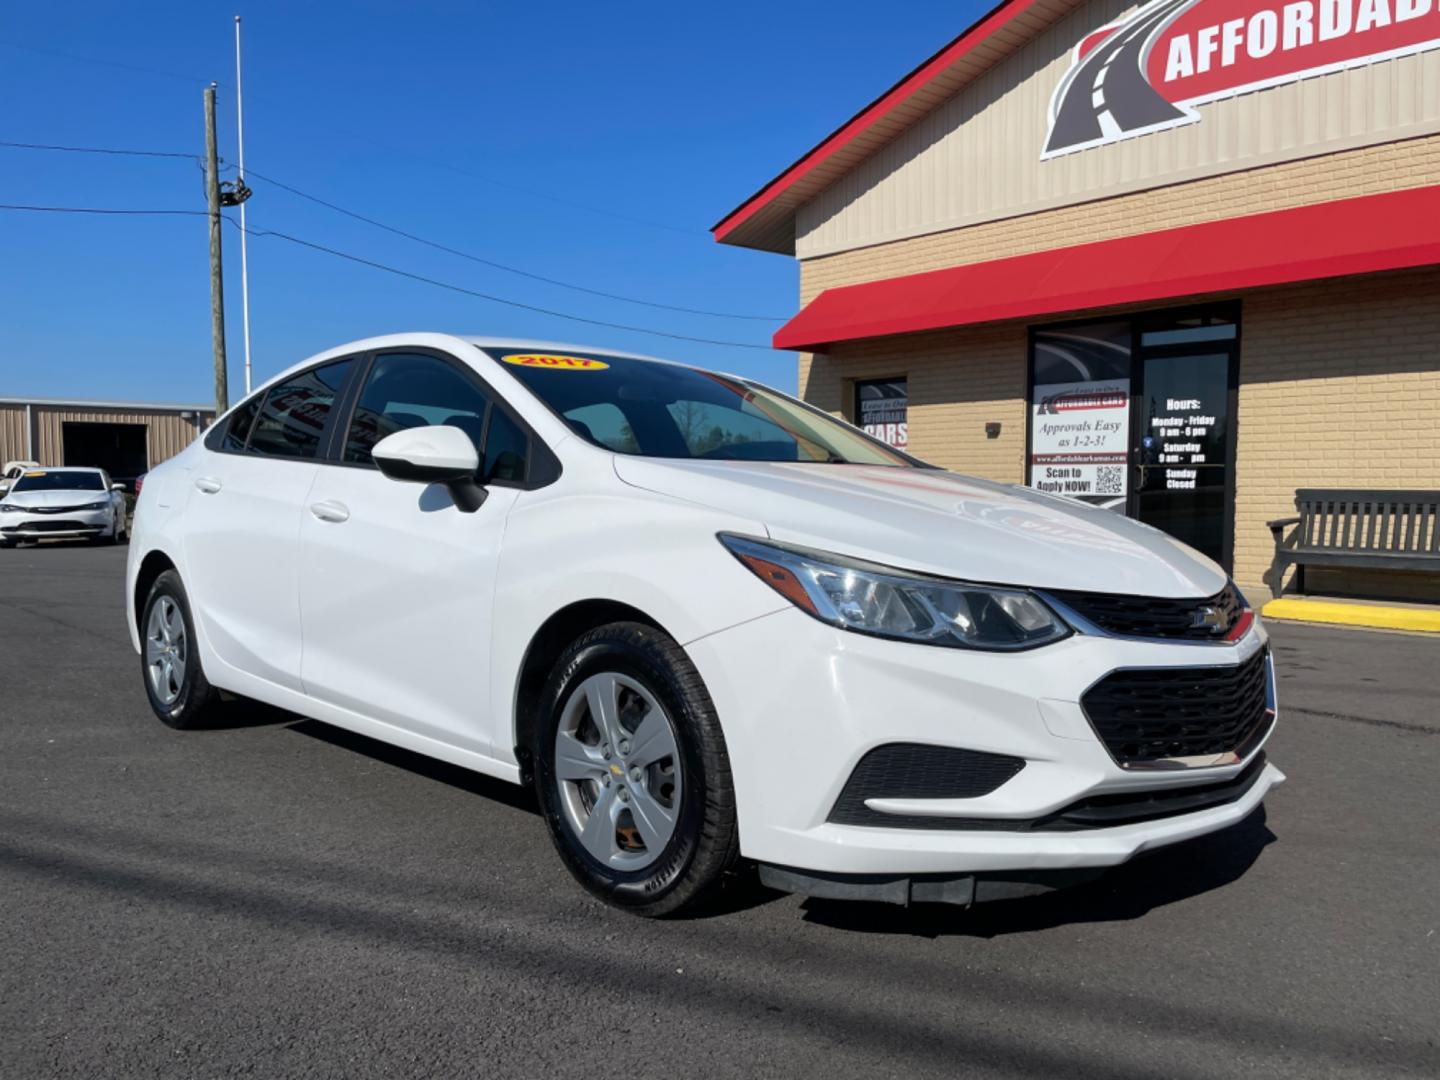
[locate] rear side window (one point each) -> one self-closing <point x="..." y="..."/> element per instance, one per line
<point x="237" y="429"/>
<point x="293" y="418"/>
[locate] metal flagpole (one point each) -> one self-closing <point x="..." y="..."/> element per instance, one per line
<point x="240" y="184"/>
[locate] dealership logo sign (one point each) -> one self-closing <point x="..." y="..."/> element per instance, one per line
<point x="1148" y="71"/>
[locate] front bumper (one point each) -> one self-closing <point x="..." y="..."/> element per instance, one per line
<point x="803" y="702"/>
<point x="70" y="525"/>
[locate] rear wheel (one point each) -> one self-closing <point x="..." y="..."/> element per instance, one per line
<point x="179" y="693"/>
<point x="632" y="772"/>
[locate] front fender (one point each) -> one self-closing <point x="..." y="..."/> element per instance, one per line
<point x="651" y="553"/>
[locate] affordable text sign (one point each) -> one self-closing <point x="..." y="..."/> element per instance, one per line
<point x="1148" y="71"/>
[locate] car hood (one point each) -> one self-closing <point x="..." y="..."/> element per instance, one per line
<point x="939" y="523"/>
<point x="59" y="497"/>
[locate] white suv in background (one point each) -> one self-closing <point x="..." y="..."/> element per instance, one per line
<point x="704" y="620"/>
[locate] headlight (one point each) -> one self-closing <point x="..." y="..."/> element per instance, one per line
<point x="10" y="508"/>
<point x="95" y="506"/>
<point x="879" y="600"/>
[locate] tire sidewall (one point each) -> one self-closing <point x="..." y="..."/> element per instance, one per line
<point x="620" y="654"/>
<point x="180" y="713"/>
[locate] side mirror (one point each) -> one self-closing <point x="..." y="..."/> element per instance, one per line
<point x="433" y="455"/>
<point x="117" y="487"/>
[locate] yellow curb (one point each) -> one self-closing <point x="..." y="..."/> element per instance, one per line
<point x="1425" y="620"/>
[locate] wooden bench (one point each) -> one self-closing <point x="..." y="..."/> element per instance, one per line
<point x="1378" y="530"/>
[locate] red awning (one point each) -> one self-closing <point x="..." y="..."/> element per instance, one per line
<point x="1349" y="236"/>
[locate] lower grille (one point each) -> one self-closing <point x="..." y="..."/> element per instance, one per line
<point x="1096" y="812"/>
<point x="1206" y="619"/>
<point x="916" y="771"/>
<point x="51" y="526"/>
<point x="1148" y="715"/>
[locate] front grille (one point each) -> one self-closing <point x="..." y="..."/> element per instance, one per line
<point x="1206" y="619"/>
<point x="916" y="771"/>
<point x="1149" y="714"/>
<point x="52" y="509"/>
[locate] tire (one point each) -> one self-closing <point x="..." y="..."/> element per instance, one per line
<point x="621" y="790"/>
<point x="193" y="702"/>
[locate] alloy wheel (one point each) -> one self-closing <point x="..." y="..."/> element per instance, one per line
<point x="165" y="650"/>
<point x="617" y="767"/>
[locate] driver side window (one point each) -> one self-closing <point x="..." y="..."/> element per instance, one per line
<point x="406" y="390"/>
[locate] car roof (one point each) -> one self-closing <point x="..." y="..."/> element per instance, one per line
<point x="66" y="468"/>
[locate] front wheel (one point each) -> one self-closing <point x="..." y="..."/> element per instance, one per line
<point x="179" y="693"/>
<point x="632" y="772"/>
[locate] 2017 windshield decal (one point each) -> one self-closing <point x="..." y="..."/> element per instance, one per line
<point x="1148" y="71"/>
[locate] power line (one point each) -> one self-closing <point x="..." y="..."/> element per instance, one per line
<point x="97" y="150"/>
<point x="495" y="299"/>
<point x="502" y="266"/>
<point x="413" y="237"/>
<point x="365" y="137"/>
<point x="373" y="264"/>
<point x="102" y="210"/>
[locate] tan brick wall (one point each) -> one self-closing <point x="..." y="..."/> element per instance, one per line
<point x="1340" y="387"/>
<point x="1374" y="170"/>
<point x="958" y="380"/>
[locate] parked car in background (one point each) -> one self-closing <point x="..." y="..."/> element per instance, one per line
<point x="705" y="620"/>
<point x="12" y="470"/>
<point x="63" y="504"/>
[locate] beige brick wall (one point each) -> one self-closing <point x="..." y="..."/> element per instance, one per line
<point x="1340" y="387"/>
<point x="1374" y="170"/>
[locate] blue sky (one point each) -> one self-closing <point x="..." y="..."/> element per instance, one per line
<point x="591" y="143"/>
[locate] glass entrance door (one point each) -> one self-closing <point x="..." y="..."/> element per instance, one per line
<point x="1184" y="428"/>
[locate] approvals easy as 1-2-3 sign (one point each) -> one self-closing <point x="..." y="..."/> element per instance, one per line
<point x="1148" y="71"/>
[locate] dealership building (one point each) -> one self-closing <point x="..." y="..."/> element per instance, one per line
<point x="1179" y="259"/>
<point x="125" y="439"/>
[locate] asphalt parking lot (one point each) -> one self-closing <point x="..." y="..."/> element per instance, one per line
<point x="280" y="898"/>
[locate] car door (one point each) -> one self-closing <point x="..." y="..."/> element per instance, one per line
<point x="242" y="522"/>
<point x="397" y="582"/>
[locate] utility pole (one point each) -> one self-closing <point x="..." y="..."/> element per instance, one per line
<point x="217" y="278"/>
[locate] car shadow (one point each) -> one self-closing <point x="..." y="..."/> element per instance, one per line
<point x="739" y="890"/>
<point x="467" y="780"/>
<point x="1166" y="876"/>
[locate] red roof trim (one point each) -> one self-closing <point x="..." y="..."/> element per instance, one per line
<point x="1333" y="239"/>
<point x="876" y="111"/>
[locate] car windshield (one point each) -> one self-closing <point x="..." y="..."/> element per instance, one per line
<point x="58" y="480"/>
<point x="664" y="410"/>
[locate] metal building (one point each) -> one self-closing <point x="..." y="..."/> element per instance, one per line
<point x="124" y="438"/>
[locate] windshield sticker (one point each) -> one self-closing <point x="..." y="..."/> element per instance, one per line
<point x="555" y="363"/>
<point x="29" y="474"/>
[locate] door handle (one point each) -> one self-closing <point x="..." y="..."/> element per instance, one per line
<point x="207" y="484"/>
<point x="330" y="511"/>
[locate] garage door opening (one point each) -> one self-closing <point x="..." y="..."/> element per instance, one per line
<point x="119" y="449"/>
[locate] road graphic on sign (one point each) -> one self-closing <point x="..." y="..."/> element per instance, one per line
<point x="1108" y="94"/>
<point x="1150" y="70"/>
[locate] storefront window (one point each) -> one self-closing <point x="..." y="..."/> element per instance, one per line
<point x="881" y="408"/>
<point x="1080" y="412"/>
<point x="1136" y="415"/>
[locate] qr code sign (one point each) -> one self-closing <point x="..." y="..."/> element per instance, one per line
<point x="1110" y="480"/>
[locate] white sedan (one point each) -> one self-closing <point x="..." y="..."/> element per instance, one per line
<point x="63" y="504"/>
<point x="705" y="621"/>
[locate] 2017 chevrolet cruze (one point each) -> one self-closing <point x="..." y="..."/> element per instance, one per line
<point x="705" y="620"/>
